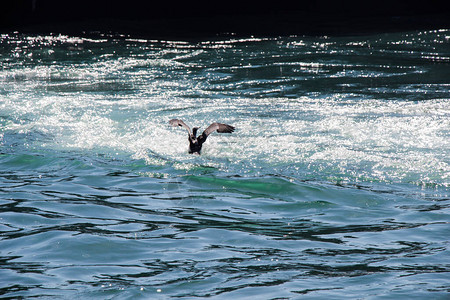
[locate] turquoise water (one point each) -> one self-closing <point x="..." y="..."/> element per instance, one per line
<point x="336" y="182"/>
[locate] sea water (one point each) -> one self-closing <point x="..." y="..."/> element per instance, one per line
<point x="335" y="184"/>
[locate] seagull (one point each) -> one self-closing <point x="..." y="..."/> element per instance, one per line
<point x="196" y="142"/>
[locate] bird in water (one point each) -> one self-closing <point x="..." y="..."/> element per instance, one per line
<point x="196" y="142"/>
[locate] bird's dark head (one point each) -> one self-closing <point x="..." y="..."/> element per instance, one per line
<point x="194" y="130"/>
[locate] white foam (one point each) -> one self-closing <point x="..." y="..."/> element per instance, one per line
<point x="360" y="139"/>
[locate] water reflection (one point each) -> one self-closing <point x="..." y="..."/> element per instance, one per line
<point x="337" y="170"/>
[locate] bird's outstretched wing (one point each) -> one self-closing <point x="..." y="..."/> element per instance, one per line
<point x="177" y="122"/>
<point x="219" y="127"/>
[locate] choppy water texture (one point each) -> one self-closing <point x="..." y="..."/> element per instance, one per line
<point x="335" y="183"/>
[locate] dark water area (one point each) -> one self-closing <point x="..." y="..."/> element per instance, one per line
<point x="203" y="20"/>
<point x="335" y="183"/>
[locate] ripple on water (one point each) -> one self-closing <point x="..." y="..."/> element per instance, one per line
<point x="338" y="168"/>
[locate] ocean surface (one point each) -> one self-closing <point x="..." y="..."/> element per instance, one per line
<point x="335" y="184"/>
